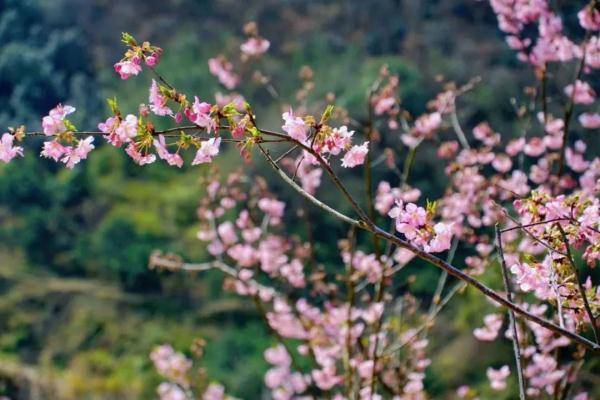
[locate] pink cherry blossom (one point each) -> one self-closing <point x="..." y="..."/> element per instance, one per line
<point x="575" y="160"/>
<point x="339" y="140"/>
<point x="498" y="377"/>
<point x="199" y="114"/>
<point x="384" y="104"/>
<point x="441" y="239"/>
<point x="137" y="156"/>
<point x="171" y="364"/>
<point x="223" y="70"/>
<point x="208" y="149"/>
<point x="214" y="391"/>
<point x="590" y="120"/>
<point x="73" y="155"/>
<point x="295" y="126"/>
<point x="463" y="391"/>
<point x="126" y="130"/>
<point x="493" y="323"/>
<point x="543" y="372"/>
<point x="128" y="68"/>
<point x="310" y="178"/>
<point x="581" y="92"/>
<point x="427" y="124"/>
<point x="326" y="379"/>
<point x="152" y="59"/>
<point x="273" y="208"/>
<point x="409" y="219"/>
<point x="7" y="150"/>
<point x="535" y="147"/>
<point x="278" y="356"/>
<point x="355" y="156"/>
<point x="589" y="18"/>
<point x="54" y="150"/>
<point x="109" y="127"/>
<point x="255" y="46"/>
<point x="163" y="152"/>
<point x="53" y="123"/>
<point x="502" y="163"/>
<point x="170" y="391"/>
<point x="158" y="102"/>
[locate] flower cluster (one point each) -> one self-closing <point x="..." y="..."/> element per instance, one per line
<point x="416" y="224"/>
<point x="65" y="147"/>
<point x="136" y="54"/>
<point x="8" y="150"/>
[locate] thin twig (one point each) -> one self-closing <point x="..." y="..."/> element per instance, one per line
<point x="511" y="314"/>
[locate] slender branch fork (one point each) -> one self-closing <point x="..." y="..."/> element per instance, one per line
<point x="366" y="224"/>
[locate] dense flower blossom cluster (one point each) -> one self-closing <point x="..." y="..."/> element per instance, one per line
<point x="538" y="188"/>
<point x="65" y="147"/>
<point x="415" y="223"/>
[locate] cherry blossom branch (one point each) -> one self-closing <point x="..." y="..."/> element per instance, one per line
<point x="302" y="192"/>
<point x="450" y="269"/>
<point x="578" y="281"/>
<point x="361" y="213"/>
<point x="531" y="235"/>
<point x="170" y="132"/>
<point x="570" y="105"/>
<point x="511" y="313"/>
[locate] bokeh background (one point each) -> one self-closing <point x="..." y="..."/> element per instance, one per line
<point x="79" y="309"/>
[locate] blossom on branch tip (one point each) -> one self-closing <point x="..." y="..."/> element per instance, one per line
<point x="128" y="68"/>
<point x="7" y="150"/>
<point x="54" y="122"/>
<point x="255" y="46"/>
